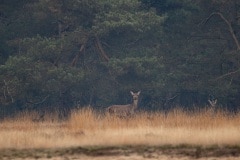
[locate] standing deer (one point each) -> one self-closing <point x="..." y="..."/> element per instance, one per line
<point x="213" y="104"/>
<point x="125" y="110"/>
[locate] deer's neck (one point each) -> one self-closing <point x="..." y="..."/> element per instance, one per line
<point x="135" y="104"/>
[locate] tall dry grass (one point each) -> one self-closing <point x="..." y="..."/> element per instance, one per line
<point x="86" y="127"/>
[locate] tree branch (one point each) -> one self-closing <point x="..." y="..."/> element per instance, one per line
<point x="229" y="27"/>
<point x="40" y="102"/>
<point x="75" y="59"/>
<point x="227" y="74"/>
<point x="100" y="48"/>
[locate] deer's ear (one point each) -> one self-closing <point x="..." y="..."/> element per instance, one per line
<point x="139" y="92"/>
<point x="131" y="93"/>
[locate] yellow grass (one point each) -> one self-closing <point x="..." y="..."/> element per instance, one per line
<point x="86" y="128"/>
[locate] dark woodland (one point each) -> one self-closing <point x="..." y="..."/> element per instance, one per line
<point x="57" y="55"/>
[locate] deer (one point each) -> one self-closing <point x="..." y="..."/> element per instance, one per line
<point x="213" y="104"/>
<point x="125" y="110"/>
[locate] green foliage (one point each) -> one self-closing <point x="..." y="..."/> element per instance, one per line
<point x="63" y="53"/>
<point x="32" y="75"/>
<point x="124" y="15"/>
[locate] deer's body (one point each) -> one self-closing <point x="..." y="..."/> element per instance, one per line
<point x="125" y="110"/>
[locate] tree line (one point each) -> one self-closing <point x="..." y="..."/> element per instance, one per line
<point x="59" y="54"/>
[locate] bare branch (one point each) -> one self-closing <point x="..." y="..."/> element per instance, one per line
<point x="228" y="24"/>
<point x="74" y="61"/>
<point x="168" y="100"/>
<point x="227" y="74"/>
<point x="40" y="102"/>
<point x="173" y="97"/>
<point x="100" y="48"/>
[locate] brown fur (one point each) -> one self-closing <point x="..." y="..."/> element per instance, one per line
<point x="125" y="110"/>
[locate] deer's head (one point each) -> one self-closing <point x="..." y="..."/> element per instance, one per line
<point x="135" y="95"/>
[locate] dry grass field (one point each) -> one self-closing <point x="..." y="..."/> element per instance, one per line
<point x="89" y="135"/>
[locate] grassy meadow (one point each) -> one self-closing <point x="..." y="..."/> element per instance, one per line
<point x="88" y="128"/>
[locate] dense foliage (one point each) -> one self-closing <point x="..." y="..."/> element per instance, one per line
<point x="59" y="54"/>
